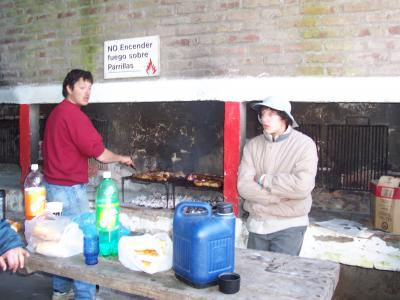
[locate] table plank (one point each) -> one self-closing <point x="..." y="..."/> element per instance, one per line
<point x="264" y="275"/>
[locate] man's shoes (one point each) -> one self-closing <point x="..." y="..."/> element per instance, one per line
<point x="63" y="296"/>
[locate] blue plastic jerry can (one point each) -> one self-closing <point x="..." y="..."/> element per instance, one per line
<point x="203" y="242"/>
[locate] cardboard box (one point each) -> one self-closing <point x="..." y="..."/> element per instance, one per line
<point x="385" y="204"/>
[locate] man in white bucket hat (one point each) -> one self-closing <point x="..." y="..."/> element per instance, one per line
<point x="276" y="177"/>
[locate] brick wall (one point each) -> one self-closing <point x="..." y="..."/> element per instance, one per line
<point x="41" y="40"/>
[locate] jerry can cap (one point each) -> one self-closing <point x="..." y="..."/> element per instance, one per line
<point x="106" y="174"/>
<point x="224" y="208"/>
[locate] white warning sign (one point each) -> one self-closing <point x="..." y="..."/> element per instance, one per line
<point x="136" y="57"/>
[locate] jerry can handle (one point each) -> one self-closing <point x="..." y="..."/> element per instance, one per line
<point x="179" y="208"/>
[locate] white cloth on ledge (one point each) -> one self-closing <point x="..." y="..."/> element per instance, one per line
<point x="359" y="248"/>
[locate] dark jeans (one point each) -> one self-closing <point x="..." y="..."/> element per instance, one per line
<point x="287" y="241"/>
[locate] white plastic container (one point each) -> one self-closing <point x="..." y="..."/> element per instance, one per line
<point x="54" y="207"/>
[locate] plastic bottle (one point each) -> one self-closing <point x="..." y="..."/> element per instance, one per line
<point x="34" y="193"/>
<point x="3" y="203"/>
<point x="107" y="215"/>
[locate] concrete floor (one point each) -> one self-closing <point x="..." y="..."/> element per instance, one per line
<point x="17" y="287"/>
<point x="38" y="287"/>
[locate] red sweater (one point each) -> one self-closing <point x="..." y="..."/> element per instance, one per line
<point x="69" y="140"/>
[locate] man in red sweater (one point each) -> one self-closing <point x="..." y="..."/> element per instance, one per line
<point x="70" y="139"/>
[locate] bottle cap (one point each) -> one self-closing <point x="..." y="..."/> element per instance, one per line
<point x="224" y="208"/>
<point x="107" y="174"/>
<point x="34" y="167"/>
<point x="229" y="283"/>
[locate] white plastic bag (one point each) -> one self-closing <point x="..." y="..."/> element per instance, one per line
<point x="52" y="235"/>
<point x="147" y="253"/>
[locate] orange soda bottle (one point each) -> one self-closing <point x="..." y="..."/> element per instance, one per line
<point x="34" y="193"/>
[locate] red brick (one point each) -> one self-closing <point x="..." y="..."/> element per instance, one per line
<point x="46" y="72"/>
<point x="47" y="35"/>
<point x="7" y="41"/>
<point x="394" y="30"/>
<point x="265" y="49"/>
<point x="180" y="42"/>
<point x="304" y="47"/>
<point x="357" y="7"/>
<point x="237" y="50"/>
<point x="315" y="33"/>
<point x="64" y="15"/>
<point x="232" y="39"/>
<point x="23" y="39"/>
<point x="14" y="30"/>
<point x="135" y="15"/>
<point x="230" y="5"/>
<point x="4" y="4"/>
<point x="364" y="32"/>
<point x="252" y="38"/>
<point x="190" y="8"/>
<point x="310" y="71"/>
<point x="90" y="11"/>
<point x="41" y="17"/>
<point x="322" y="58"/>
<point x="315" y="9"/>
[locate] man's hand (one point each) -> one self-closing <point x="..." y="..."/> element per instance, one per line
<point x="14" y="258"/>
<point x="3" y="265"/>
<point x="259" y="179"/>
<point x="109" y="157"/>
<point x="127" y="160"/>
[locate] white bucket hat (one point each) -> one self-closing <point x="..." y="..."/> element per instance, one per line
<point x="277" y="103"/>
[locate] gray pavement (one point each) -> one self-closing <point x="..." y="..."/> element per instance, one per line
<point x="18" y="287"/>
<point x="38" y="287"/>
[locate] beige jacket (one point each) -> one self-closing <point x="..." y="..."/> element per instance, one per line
<point x="290" y="166"/>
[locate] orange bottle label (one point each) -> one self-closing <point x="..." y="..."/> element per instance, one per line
<point x="35" y="201"/>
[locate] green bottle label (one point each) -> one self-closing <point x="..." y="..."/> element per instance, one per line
<point x="107" y="216"/>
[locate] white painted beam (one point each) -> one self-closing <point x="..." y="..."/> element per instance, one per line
<point x="305" y="89"/>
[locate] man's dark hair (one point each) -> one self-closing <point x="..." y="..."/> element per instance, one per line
<point x="280" y="113"/>
<point x="73" y="76"/>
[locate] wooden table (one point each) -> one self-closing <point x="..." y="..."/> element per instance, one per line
<point x="264" y="275"/>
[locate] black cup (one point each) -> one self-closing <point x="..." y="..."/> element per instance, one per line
<point x="229" y="283"/>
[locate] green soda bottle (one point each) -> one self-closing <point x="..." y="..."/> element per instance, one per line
<point x="107" y="215"/>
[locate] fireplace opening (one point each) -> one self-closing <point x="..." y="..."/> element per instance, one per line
<point x="9" y="140"/>
<point x="178" y="137"/>
<point x="9" y="134"/>
<point x="350" y="156"/>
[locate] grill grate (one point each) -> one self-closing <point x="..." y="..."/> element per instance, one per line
<point x="355" y="155"/>
<point x="350" y="156"/>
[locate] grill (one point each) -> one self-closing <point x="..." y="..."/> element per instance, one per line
<point x="170" y="187"/>
<point x="9" y="141"/>
<point x="355" y="155"/>
<point x="350" y="156"/>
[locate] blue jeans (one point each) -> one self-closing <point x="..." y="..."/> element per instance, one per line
<point x="287" y="241"/>
<point x="75" y="202"/>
